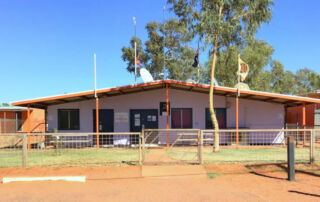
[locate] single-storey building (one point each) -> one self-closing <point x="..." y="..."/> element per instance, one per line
<point x="294" y="114"/>
<point x="130" y="108"/>
<point x="14" y="119"/>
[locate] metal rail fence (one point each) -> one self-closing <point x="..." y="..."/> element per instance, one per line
<point x="69" y="149"/>
<point x="157" y="146"/>
<point x="259" y="146"/>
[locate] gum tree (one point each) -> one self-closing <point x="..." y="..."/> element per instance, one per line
<point x="165" y="51"/>
<point x="219" y="24"/>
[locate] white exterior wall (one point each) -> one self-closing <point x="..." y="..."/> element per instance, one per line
<point x="252" y="114"/>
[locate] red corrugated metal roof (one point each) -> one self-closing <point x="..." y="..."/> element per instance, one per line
<point x="218" y="90"/>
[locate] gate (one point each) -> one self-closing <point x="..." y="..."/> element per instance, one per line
<point x="172" y="146"/>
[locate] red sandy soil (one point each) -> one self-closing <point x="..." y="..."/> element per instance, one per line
<point x="163" y="183"/>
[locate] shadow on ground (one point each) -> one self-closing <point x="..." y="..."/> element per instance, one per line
<point x="304" y="193"/>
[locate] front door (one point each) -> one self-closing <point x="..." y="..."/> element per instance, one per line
<point x="106" y="124"/>
<point x="147" y="118"/>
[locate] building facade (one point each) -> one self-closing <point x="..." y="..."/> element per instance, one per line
<point x="167" y="105"/>
<point x="15" y="119"/>
<point x="294" y="114"/>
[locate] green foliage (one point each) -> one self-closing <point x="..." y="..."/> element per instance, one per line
<point x="128" y="54"/>
<point x="231" y="21"/>
<point x="307" y="81"/>
<point x="166" y="50"/>
<point x="257" y="55"/>
<point x="178" y="55"/>
<point x="282" y="82"/>
<point x="5" y="105"/>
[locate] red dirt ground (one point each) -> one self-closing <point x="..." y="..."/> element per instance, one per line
<point x="163" y="183"/>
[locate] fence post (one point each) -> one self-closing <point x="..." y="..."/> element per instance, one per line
<point x="200" y="145"/>
<point x="143" y="146"/>
<point x="24" y="150"/>
<point x="290" y="153"/>
<point x="312" y="146"/>
<point x="140" y="149"/>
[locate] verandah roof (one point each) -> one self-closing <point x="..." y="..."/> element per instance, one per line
<point x="201" y="88"/>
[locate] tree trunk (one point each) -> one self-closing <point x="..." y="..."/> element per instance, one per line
<point x="211" y="104"/>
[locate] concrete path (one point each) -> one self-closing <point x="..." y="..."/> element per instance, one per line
<point x="167" y="167"/>
<point x="174" y="171"/>
<point x="156" y="156"/>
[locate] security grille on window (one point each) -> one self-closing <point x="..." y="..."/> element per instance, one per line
<point x="68" y="119"/>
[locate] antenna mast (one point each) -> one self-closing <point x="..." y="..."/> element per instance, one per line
<point x="135" y="51"/>
<point x="95" y="75"/>
<point x="164" y="57"/>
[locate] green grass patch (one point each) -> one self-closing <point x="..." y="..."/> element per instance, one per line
<point x="213" y="175"/>
<point x="232" y="155"/>
<point x="11" y="158"/>
<point x="70" y="157"/>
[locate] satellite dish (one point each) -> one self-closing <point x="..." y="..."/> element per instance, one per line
<point x="216" y="82"/>
<point x="193" y="81"/>
<point x="190" y="81"/>
<point x="145" y="75"/>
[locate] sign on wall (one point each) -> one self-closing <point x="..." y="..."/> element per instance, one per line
<point x="121" y="117"/>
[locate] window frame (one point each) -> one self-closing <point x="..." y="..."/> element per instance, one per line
<point x="69" y="121"/>
<point x="172" y="110"/>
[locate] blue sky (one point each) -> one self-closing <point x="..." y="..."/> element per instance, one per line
<point x="46" y="47"/>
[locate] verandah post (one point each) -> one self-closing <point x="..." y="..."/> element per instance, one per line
<point x="167" y="108"/>
<point x="304" y="121"/>
<point x="28" y="127"/>
<point x="237" y="121"/>
<point x="97" y="122"/>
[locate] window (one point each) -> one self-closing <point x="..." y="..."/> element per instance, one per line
<point x="221" y="114"/>
<point x="68" y="119"/>
<point x="163" y="108"/>
<point x="181" y="118"/>
<point x="18" y="116"/>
